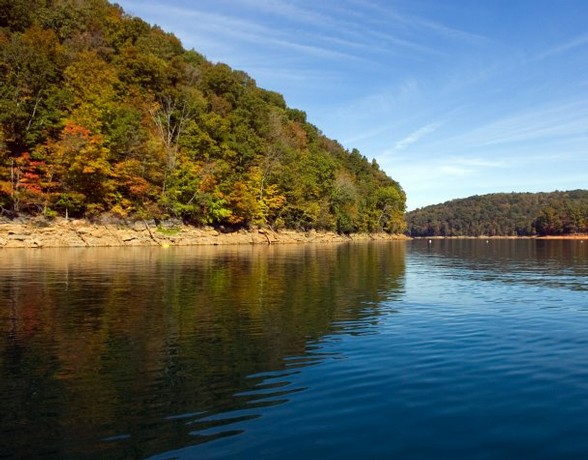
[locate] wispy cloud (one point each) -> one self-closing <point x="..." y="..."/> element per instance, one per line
<point x="417" y="23"/>
<point x="444" y="178"/>
<point x="288" y="10"/>
<point x="454" y="170"/>
<point x="345" y="26"/>
<point x="417" y="135"/>
<point x="565" y="119"/>
<point x="479" y="162"/>
<point x="400" y="44"/>
<point x="356" y="115"/>
<point x="449" y="32"/>
<point x="575" y="42"/>
<point x="347" y="23"/>
<point x="226" y="27"/>
<point x="464" y="166"/>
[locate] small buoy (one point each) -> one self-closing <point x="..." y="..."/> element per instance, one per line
<point x="430" y="241"/>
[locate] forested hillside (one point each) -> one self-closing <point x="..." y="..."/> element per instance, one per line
<point x="102" y="114"/>
<point x="504" y="214"/>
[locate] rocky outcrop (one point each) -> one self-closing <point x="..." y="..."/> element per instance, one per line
<point x="43" y="233"/>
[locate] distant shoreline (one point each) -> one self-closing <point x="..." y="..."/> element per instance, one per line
<point x="69" y="233"/>
<point x="575" y="236"/>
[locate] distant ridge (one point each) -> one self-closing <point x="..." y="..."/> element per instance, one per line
<point x="504" y="214"/>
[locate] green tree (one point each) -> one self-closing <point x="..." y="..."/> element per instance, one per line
<point x="31" y="65"/>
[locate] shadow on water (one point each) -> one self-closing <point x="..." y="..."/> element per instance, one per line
<point x="118" y="353"/>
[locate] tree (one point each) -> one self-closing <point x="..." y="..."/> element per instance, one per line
<point x="344" y="203"/>
<point x="390" y="203"/>
<point x="31" y="63"/>
<point x="80" y="167"/>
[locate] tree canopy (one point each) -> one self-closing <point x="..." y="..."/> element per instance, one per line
<point x="103" y="114"/>
<point x="504" y="214"/>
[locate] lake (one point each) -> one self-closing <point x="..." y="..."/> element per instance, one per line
<point x="457" y="349"/>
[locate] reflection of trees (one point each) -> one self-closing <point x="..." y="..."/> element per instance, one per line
<point x="115" y="342"/>
<point x="515" y="260"/>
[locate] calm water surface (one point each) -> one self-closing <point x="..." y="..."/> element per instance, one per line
<point x="454" y="349"/>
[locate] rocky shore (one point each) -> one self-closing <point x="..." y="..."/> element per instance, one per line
<point x="43" y="233"/>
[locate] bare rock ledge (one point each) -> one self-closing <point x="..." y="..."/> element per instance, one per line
<point x="40" y="233"/>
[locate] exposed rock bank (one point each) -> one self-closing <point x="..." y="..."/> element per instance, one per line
<point x="41" y="233"/>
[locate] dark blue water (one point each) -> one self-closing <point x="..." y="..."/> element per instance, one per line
<point x="454" y="349"/>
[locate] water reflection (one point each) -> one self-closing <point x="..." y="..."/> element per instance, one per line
<point x="545" y="263"/>
<point x="130" y="352"/>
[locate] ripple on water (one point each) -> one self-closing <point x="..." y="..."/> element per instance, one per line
<point x="455" y="354"/>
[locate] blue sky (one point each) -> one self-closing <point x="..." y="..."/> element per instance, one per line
<point x="453" y="98"/>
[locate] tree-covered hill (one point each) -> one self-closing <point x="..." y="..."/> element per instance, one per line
<point x="504" y="214"/>
<point x="103" y="114"/>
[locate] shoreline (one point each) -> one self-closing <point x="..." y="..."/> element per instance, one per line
<point x="70" y="233"/>
<point x="575" y="236"/>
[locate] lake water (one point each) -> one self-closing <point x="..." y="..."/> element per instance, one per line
<point x="460" y="349"/>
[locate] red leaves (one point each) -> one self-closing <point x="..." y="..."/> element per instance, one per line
<point x="30" y="173"/>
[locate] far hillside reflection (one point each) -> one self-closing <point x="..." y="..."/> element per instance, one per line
<point x="522" y="261"/>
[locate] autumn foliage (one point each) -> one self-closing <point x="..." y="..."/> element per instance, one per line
<point x="103" y="114"/>
<point x="504" y="214"/>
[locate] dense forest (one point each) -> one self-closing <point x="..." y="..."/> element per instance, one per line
<point x="504" y="214"/>
<point x="102" y="114"/>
